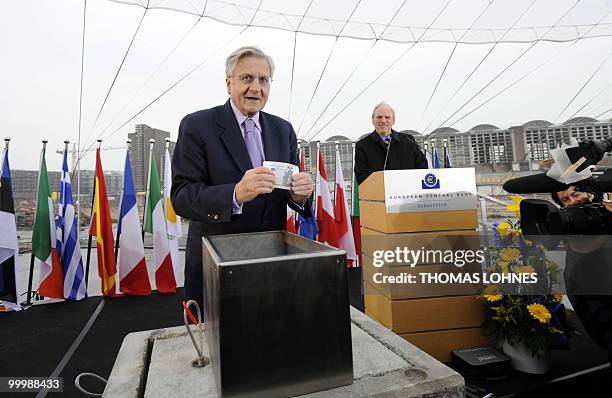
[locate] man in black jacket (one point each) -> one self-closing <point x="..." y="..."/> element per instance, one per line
<point x="385" y="148"/>
<point x="218" y="181"/>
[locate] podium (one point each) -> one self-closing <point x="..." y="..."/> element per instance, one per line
<point x="428" y="210"/>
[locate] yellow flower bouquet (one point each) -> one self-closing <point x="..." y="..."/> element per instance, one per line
<point x="523" y="313"/>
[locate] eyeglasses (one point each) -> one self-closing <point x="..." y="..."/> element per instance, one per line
<point x="264" y="81"/>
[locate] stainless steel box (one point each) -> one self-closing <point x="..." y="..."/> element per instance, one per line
<point x="276" y="310"/>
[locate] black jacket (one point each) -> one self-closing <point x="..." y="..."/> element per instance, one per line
<point x="209" y="159"/>
<point x="370" y="153"/>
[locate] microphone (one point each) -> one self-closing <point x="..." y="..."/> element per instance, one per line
<point x="387" y="155"/>
<point x="536" y="183"/>
<point x="600" y="181"/>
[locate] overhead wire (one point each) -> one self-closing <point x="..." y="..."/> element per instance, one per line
<point x="603" y="113"/>
<point x="157" y="69"/>
<point x="514" y="61"/>
<point x="382" y="73"/>
<point x="448" y="62"/>
<point x="591" y="100"/>
<point x="331" y="51"/>
<point x="575" y="28"/>
<point x="293" y="58"/>
<point x="173" y="85"/>
<point x="464" y="82"/>
<point x="584" y="86"/>
<point x="350" y="75"/>
<point x="110" y="89"/>
<point x="77" y="165"/>
<point x="523" y="76"/>
<point x="74" y="166"/>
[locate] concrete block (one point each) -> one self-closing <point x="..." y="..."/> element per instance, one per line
<point x="158" y="364"/>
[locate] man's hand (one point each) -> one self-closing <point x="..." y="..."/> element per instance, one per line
<point x="301" y="187"/>
<point x="255" y="182"/>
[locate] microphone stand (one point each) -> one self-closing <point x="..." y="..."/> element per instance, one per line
<point x="387" y="155"/>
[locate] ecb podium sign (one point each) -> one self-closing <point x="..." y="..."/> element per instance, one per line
<point x="424" y="190"/>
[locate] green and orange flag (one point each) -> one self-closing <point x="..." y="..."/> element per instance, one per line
<point x="44" y="241"/>
<point x="355" y="217"/>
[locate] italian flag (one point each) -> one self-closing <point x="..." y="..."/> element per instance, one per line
<point x="173" y="222"/>
<point x="356" y="222"/>
<point x="44" y="240"/>
<point x="155" y="224"/>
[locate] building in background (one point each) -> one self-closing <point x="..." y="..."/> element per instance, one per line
<point x="496" y="153"/>
<point x="518" y="148"/>
<point x="140" y="153"/>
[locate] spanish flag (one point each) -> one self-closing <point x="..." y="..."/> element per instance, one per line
<point x="101" y="228"/>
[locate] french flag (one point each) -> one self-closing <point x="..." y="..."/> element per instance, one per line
<point x="133" y="275"/>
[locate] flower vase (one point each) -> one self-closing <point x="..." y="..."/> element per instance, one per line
<point x="523" y="360"/>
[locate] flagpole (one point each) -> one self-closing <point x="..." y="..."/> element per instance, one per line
<point x="167" y="150"/>
<point x="93" y="198"/>
<point x="353" y="180"/>
<point x="5" y="153"/>
<point x="31" y="277"/>
<point x="317" y="181"/>
<point x="444" y="143"/>
<point x="144" y="214"/>
<point x="336" y="145"/>
<point x="62" y="208"/>
<point x="129" y="144"/>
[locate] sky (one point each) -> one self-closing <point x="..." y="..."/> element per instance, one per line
<point x="40" y="72"/>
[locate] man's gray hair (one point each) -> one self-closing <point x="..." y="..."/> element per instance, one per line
<point x="383" y="104"/>
<point x="244" y="52"/>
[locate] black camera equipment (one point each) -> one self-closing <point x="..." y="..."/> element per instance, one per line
<point x="593" y="151"/>
<point x="543" y="222"/>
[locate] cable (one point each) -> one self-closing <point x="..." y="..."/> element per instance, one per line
<point x="448" y="62"/>
<point x="117" y="73"/>
<point x="603" y="113"/>
<point x="510" y="85"/>
<point x="591" y="100"/>
<point x="77" y="165"/>
<point x="180" y="79"/>
<point x="478" y="65"/>
<point x="325" y="66"/>
<point x="353" y="71"/>
<point x="293" y="59"/>
<point x="155" y="71"/>
<point x="358" y="25"/>
<point x="77" y="384"/>
<point x="382" y="73"/>
<point x="476" y="68"/>
<point x="522" y="77"/>
<point x="504" y="70"/>
<point x="584" y="85"/>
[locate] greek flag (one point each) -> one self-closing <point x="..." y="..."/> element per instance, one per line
<point x="68" y="240"/>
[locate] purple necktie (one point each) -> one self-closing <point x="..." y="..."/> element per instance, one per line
<point x="253" y="142"/>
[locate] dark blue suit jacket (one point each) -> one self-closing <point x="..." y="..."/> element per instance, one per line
<point x="209" y="159"/>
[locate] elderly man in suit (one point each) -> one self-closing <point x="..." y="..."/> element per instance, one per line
<point x="385" y="148"/>
<point x="219" y="182"/>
